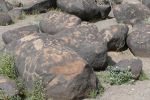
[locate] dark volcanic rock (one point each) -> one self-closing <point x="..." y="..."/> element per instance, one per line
<point x="56" y="21"/>
<point x="115" y="36"/>
<point x="65" y="75"/>
<point x="85" y="9"/>
<point x="131" y="13"/>
<point x="139" y="40"/>
<point x="8" y="86"/>
<point x="19" y="33"/>
<point x="5" y="6"/>
<point x="135" y="65"/>
<point x="84" y="40"/>
<point x="5" y="19"/>
<point x="146" y="2"/>
<point x="37" y="6"/>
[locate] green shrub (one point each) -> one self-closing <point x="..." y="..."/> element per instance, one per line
<point x="7" y="66"/>
<point x="143" y="76"/>
<point x="118" y="77"/>
<point x="38" y="91"/>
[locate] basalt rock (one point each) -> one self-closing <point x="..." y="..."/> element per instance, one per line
<point x="65" y="75"/>
<point x="56" y="21"/>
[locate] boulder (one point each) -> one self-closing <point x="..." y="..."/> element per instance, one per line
<point x="34" y="6"/>
<point x="146" y="2"/>
<point x="134" y="65"/>
<point x="7" y="87"/>
<point x="65" y="75"/>
<point x="19" y="33"/>
<point x="56" y="21"/>
<point x="105" y="23"/>
<point x="115" y="36"/>
<point x="130" y="13"/>
<point x="85" y="9"/>
<point x="84" y="40"/>
<point x="139" y="40"/>
<point x="5" y="6"/>
<point x="16" y="14"/>
<point x="5" y="19"/>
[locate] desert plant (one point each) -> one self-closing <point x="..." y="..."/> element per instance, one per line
<point x="118" y="77"/>
<point x="7" y="66"/>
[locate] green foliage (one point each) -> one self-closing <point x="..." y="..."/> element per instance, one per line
<point x="38" y="91"/>
<point x="95" y="92"/>
<point x="118" y="77"/>
<point x="7" y="66"/>
<point x="143" y="76"/>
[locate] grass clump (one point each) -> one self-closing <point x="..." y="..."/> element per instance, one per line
<point x="38" y="91"/>
<point x="98" y="91"/>
<point x="143" y="76"/>
<point x="119" y="77"/>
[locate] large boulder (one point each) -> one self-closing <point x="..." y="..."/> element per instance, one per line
<point x="84" y="40"/>
<point x="133" y="65"/>
<point x="19" y="33"/>
<point x="146" y="2"/>
<point x="139" y="40"/>
<point x="85" y="9"/>
<point x="7" y="87"/>
<point x="5" y="19"/>
<point x="65" y="75"/>
<point x="36" y="6"/>
<point x="115" y="36"/>
<point x="56" y="21"/>
<point x="131" y="13"/>
<point x="5" y="6"/>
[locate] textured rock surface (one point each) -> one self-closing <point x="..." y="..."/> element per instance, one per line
<point x="85" y="9"/>
<point x="131" y="13"/>
<point x="135" y="65"/>
<point x="65" y="74"/>
<point x="139" y="40"/>
<point x="8" y="86"/>
<point x="19" y="33"/>
<point x="84" y="40"/>
<point x="56" y="21"/>
<point x="5" y="19"/>
<point x="115" y="36"/>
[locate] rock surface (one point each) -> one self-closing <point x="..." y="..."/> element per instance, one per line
<point x="139" y="40"/>
<point x="19" y="33"/>
<point x="5" y="19"/>
<point x="115" y="36"/>
<point x="85" y="9"/>
<point x="135" y="65"/>
<point x="65" y="74"/>
<point x="131" y="13"/>
<point x="8" y="87"/>
<point x="56" y="21"/>
<point x="84" y="40"/>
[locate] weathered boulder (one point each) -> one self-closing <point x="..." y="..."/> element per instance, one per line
<point x="115" y="36"/>
<point x="16" y="14"/>
<point x="19" y="33"/>
<point x="105" y="23"/>
<point x="85" y="9"/>
<point x="65" y="75"/>
<point x="7" y="87"/>
<point x="139" y="40"/>
<point x="133" y="65"/>
<point x="84" y="40"/>
<point x="146" y="2"/>
<point x="5" y="19"/>
<point x="36" y="6"/>
<point x="130" y="13"/>
<point x="5" y="6"/>
<point x="56" y="21"/>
